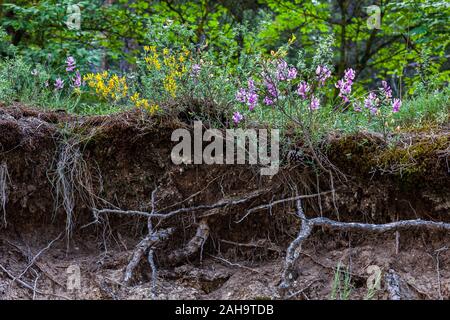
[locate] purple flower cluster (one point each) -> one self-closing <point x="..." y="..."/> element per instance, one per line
<point x="315" y="103"/>
<point x="284" y="72"/>
<point x="252" y="100"/>
<point x="196" y="68"/>
<point x="272" y="86"/>
<point x="237" y="117"/>
<point x="59" y="84"/>
<point x="241" y="95"/>
<point x="271" y="90"/>
<point x="71" y="64"/>
<point x="371" y="102"/>
<point x="386" y="89"/>
<point x="249" y="95"/>
<point x="268" y="101"/>
<point x="76" y="81"/>
<point x="322" y="73"/>
<point x="345" y="85"/>
<point x="396" y="105"/>
<point x="303" y="90"/>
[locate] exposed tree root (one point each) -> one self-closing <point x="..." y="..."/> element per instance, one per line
<point x="148" y="242"/>
<point x="155" y="237"/>
<point x="308" y="225"/>
<point x="164" y="215"/>
<point x="32" y="260"/>
<point x="4" y="178"/>
<point x="272" y="204"/>
<point x="29" y="286"/>
<point x="393" y="285"/>
<point x="193" y="246"/>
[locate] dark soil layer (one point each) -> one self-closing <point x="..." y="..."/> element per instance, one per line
<point x="58" y="167"/>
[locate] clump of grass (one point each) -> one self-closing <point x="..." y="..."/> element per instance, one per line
<point x="425" y="109"/>
<point x="342" y="286"/>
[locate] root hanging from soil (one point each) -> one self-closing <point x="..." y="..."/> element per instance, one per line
<point x="71" y="179"/>
<point x="307" y="226"/>
<point x="4" y="178"/>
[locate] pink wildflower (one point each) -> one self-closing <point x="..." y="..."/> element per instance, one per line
<point x="59" y="84"/>
<point x="396" y="105"/>
<point x="303" y="89"/>
<point x="315" y="103"/>
<point x="71" y="64"/>
<point x="323" y="73"/>
<point x="237" y="117"/>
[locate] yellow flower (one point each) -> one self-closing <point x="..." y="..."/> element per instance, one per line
<point x="88" y="77"/>
<point x="170" y="85"/>
<point x="153" y="61"/>
<point x="154" y="108"/>
<point x="151" y="49"/>
<point x="292" y="39"/>
<point x="114" y="87"/>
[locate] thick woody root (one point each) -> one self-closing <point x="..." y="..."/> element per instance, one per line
<point x="4" y="178"/>
<point x="148" y="243"/>
<point x="393" y="285"/>
<point x="193" y="246"/>
<point x="155" y="237"/>
<point x="307" y="226"/>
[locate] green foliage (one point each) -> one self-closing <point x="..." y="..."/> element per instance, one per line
<point x="342" y="286"/>
<point x="226" y="47"/>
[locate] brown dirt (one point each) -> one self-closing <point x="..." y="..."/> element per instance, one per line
<point x="124" y="157"/>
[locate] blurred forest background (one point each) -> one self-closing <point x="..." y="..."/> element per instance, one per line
<point x="410" y="43"/>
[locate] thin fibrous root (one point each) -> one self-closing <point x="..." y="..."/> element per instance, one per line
<point x="308" y="225"/>
<point x="164" y="215"/>
<point x="193" y="246"/>
<point x="30" y="287"/>
<point x="148" y="242"/>
<point x="281" y="201"/>
<point x="4" y="179"/>
<point x="72" y="178"/>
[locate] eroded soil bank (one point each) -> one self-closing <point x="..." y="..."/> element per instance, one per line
<point x="56" y="169"/>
